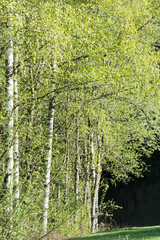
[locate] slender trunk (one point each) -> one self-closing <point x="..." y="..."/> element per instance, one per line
<point x="67" y="175"/>
<point x="16" y="142"/>
<point x="90" y="203"/>
<point x="87" y="185"/>
<point x="67" y="167"/>
<point x="77" y="160"/>
<point x="8" y="180"/>
<point x="93" y="182"/>
<point x="86" y="176"/>
<point x="95" y="207"/>
<point x="59" y="194"/>
<point x="49" y="159"/>
<point x="48" y="168"/>
<point x="33" y="102"/>
<point x="95" y="204"/>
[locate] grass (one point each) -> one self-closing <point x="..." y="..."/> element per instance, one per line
<point x="135" y="233"/>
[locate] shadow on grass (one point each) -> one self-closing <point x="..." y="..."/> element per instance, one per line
<point x="125" y="234"/>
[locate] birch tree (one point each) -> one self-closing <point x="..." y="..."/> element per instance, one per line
<point x="49" y="157"/>
<point x="48" y="167"/>
<point x="9" y="155"/>
<point x="16" y="141"/>
<point x="107" y="71"/>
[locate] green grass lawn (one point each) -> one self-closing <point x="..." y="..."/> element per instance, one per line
<point x="135" y="233"/>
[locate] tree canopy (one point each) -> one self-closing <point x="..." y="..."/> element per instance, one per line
<point x="80" y="97"/>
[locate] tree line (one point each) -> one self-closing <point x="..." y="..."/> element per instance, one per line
<point x="79" y="90"/>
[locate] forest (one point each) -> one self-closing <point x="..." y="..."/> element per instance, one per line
<point x="80" y="102"/>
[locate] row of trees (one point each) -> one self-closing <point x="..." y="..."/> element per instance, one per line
<point x="79" y="87"/>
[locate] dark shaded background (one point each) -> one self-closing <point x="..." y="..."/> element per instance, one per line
<point x="140" y="199"/>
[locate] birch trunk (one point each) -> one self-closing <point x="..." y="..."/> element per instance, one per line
<point x="95" y="207"/>
<point x="87" y="185"/>
<point x="16" y="142"/>
<point x="93" y="183"/>
<point x="49" y="160"/>
<point x="67" y="168"/>
<point x="48" y="168"/>
<point x="8" y="180"/>
<point x="95" y="204"/>
<point x="77" y="160"/>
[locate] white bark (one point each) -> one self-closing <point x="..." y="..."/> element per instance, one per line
<point x="67" y="168"/>
<point x="49" y="162"/>
<point x="59" y="194"/>
<point x="95" y="204"/>
<point x="8" y="181"/>
<point x="93" y="182"/>
<point x="16" y="143"/>
<point x="77" y="162"/>
<point x="96" y="174"/>
<point x="87" y="186"/>
<point x="93" y="158"/>
<point x="9" y="123"/>
<point x="48" y="170"/>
